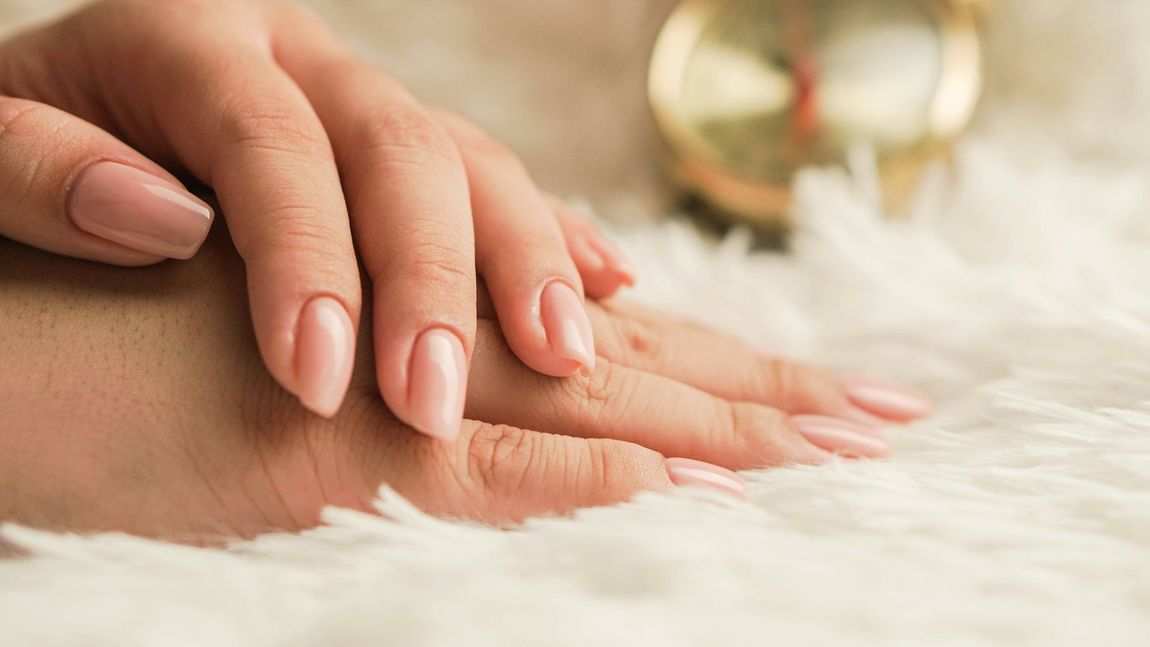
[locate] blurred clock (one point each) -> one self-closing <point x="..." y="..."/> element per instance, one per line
<point x="745" y="92"/>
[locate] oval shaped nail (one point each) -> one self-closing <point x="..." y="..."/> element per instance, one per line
<point x="841" y="436"/>
<point x="886" y="399"/>
<point x="687" y="471"/>
<point x="325" y="355"/>
<point x="566" y="324"/>
<point x="437" y="384"/>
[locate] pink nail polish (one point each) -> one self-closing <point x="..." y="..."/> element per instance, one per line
<point x="685" y="471"/>
<point x="437" y="384"/>
<point x="587" y="257"/>
<point x="886" y="399"/>
<point x="325" y="355"/>
<point x="566" y="324"/>
<point x="841" y="436"/>
<point x="613" y="257"/>
<point x="139" y="210"/>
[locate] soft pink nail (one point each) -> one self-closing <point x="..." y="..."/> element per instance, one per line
<point x="566" y="324"/>
<point x="437" y="384"/>
<point x="588" y="257"/>
<point x="685" y="471"/>
<point x="886" y="399"/>
<point x="139" y="210"/>
<point x="613" y="257"/>
<point x="841" y="436"/>
<point x="325" y="348"/>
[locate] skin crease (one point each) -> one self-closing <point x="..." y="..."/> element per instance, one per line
<point x="323" y="165"/>
<point x="135" y="400"/>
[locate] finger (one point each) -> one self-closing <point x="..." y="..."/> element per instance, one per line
<point x="728" y="368"/>
<point x="410" y="211"/>
<point x="499" y="473"/>
<point x="243" y="126"/>
<point x="603" y="266"/>
<point x="621" y="403"/>
<point x="521" y="253"/>
<point x="71" y="188"/>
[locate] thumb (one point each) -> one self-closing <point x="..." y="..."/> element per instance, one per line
<point x="71" y="188"/>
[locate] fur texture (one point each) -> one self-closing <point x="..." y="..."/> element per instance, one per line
<point x="1018" y="294"/>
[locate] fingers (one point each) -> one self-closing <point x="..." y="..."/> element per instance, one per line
<point x="243" y="126"/>
<point x="68" y="187"/>
<point x="728" y="368"/>
<point x="521" y="253"/>
<point x="622" y="403"/>
<point x="603" y="266"/>
<point x="498" y="473"/>
<point x="411" y="215"/>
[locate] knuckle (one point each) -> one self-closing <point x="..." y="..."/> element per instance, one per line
<point x="404" y="135"/>
<point x="774" y="381"/>
<point x="499" y="458"/>
<point x="293" y="232"/>
<point x="637" y="340"/>
<point x="789" y="386"/>
<point x="619" y="470"/>
<point x="272" y="125"/>
<point x="27" y="180"/>
<point x="20" y="118"/>
<point x="432" y="265"/>
<point x="758" y="434"/>
<point x="591" y="397"/>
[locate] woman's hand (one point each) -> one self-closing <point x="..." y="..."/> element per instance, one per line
<point x="136" y="401"/>
<point x="313" y="155"/>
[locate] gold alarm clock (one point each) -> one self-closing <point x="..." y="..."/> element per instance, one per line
<point x="747" y="92"/>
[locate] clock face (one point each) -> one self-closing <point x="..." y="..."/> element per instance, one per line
<point x="768" y="86"/>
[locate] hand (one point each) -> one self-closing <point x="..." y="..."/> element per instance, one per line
<point x="263" y="104"/>
<point x="136" y="401"/>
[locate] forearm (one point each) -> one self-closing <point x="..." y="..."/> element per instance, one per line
<point x="105" y="373"/>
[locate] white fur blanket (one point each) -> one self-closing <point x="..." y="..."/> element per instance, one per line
<point x="1019" y="515"/>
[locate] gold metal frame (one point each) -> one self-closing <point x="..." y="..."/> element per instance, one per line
<point x="766" y="204"/>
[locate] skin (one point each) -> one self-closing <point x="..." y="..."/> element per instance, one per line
<point x="135" y="400"/>
<point x="321" y="162"/>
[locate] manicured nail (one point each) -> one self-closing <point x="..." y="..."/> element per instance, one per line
<point x="588" y="257"/>
<point x="325" y="349"/>
<point x="885" y="399"/>
<point x="139" y="210"/>
<point x="565" y="321"/>
<point x="613" y="257"/>
<point x="685" y="471"/>
<point x="841" y="436"/>
<point x="437" y="384"/>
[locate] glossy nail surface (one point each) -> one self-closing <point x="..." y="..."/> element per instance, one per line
<point x="437" y="384"/>
<point x="685" y="471"/>
<point x="886" y="399"/>
<point x="139" y="210"/>
<point x="566" y="324"/>
<point x="841" y="436"/>
<point x="325" y="350"/>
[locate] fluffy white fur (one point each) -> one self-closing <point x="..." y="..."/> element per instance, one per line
<point x="1018" y="294"/>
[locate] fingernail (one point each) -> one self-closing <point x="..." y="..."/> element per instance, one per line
<point x="580" y="248"/>
<point x="841" y="436"/>
<point x="685" y="471"/>
<point x="437" y="384"/>
<point x="613" y="257"/>
<point x="139" y="210"/>
<point x="886" y="399"/>
<point x="566" y="324"/>
<point x="325" y="347"/>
